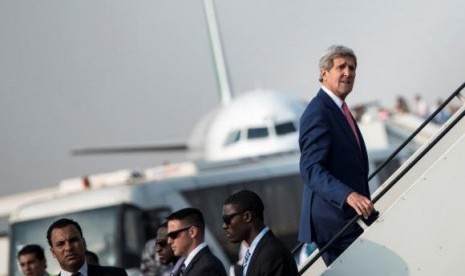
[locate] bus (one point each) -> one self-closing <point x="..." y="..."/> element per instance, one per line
<point x="119" y="216"/>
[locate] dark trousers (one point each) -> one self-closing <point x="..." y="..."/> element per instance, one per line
<point x="341" y="244"/>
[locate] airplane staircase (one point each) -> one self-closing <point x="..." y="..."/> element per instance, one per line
<point x="422" y="212"/>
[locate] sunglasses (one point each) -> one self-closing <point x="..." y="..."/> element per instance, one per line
<point x="174" y="234"/>
<point x="161" y="243"/>
<point x="227" y="218"/>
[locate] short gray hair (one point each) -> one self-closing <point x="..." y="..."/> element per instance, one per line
<point x="326" y="60"/>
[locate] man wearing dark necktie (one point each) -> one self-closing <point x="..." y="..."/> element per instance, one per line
<point x="186" y="234"/>
<point x="68" y="246"/>
<point x="243" y="220"/>
<point x="334" y="161"/>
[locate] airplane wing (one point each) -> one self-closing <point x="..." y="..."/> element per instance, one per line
<point x="130" y="149"/>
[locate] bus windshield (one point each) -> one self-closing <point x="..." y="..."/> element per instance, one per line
<point x="99" y="228"/>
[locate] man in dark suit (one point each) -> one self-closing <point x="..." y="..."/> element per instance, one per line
<point x="186" y="234"/>
<point x="334" y="161"/>
<point x="243" y="221"/>
<point x="68" y="246"/>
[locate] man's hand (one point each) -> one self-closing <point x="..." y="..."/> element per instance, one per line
<point x="361" y="204"/>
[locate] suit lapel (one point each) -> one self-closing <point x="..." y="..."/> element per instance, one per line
<point x="255" y="253"/>
<point x="196" y="259"/>
<point x="91" y="270"/>
<point x="337" y="113"/>
<point x="345" y="127"/>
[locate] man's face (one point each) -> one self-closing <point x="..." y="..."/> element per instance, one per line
<point x="179" y="237"/>
<point x="31" y="265"/>
<point x="233" y="223"/>
<point x="68" y="247"/>
<point x="164" y="251"/>
<point x="341" y="77"/>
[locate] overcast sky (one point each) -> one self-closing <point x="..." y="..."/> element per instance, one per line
<point x="114" y="72"/>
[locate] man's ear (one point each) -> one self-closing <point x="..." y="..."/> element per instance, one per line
<point x="248" y="216"/>
<point x="323" y="72"/>
<point x="194" y="232"/>
<point x="44" y="263"/>
<point x="53" y="254"/>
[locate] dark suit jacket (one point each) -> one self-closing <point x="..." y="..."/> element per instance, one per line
<point x="332" y="166"/>
<point x="271" y="257"/>
<point x="94" y="270"/>
<point x="205" y="263"/>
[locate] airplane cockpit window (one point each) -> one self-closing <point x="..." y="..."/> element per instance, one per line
<point x="257" y="132"/>
<point x="285" y="128"/>
<point x="233" y="137"/>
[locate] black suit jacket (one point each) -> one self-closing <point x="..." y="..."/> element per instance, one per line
<point x="271" y="258"/>
<point x="205" y="264"/>
<point x="94" y="270"/>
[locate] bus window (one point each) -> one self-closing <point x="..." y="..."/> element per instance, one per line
<point x="132" y="238"/>
<point x="152" y="220"/>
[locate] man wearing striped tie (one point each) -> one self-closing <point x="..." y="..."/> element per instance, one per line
<point x="243" y="220"/>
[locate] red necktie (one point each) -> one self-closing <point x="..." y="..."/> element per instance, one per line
<point x="350" y="120"/>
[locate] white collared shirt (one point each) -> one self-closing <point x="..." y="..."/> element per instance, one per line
<point x="252" y="247"/>
<point x="84" y="268"/>
<point x="333" y="97"/>
<point x="193" y="253"/>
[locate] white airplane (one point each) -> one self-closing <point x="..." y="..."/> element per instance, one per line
<point x="250" y="141"/>
<point x="257" y="122"/>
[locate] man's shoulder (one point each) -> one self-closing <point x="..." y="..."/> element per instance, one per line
<point x="271" y="244"/>
<point x="207" y="254"/>
<point x="318" y="104"/>
<point x="273" y="257"/>
<point x="273" y="249"/>
<point x="207" y="262"/>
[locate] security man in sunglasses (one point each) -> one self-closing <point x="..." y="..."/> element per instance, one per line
<point x="266" y="254"/>
<point x="186" y="234"/>
<point x="169" y="263"/>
